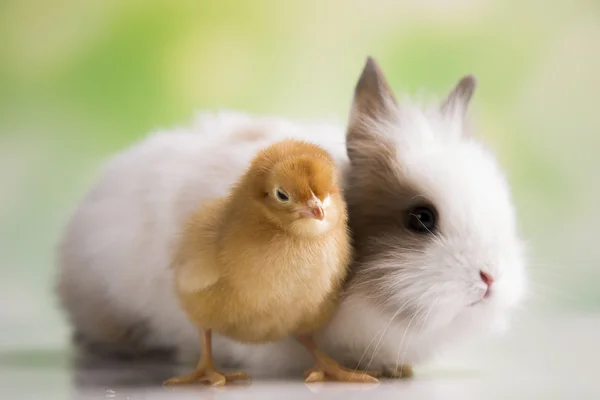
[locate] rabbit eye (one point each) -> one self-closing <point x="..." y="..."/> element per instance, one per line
<point x="422" y="219"/>
<point x="281" y="195"/>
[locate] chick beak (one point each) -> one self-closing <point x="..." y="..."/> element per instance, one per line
<point x="314" y="209"/>
<point x="318" y="213"/>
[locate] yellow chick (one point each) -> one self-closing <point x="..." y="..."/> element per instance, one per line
<point x="269" y="260"/>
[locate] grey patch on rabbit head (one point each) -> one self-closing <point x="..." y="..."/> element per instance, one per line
<point x="380" y="236"/>
<point x="377" y="194"/>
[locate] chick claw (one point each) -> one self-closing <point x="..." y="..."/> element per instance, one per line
<point x="208" y="375"/>
<point x="340" y="374"/>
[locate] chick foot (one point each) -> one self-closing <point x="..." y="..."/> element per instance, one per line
<point x="205" y="370"/>
<point x="207" y="375"/>
<point x="340" y="374"/>
<point x="327" y="369"/>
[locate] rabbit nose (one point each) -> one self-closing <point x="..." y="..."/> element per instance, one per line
<point x="488" y="280"/>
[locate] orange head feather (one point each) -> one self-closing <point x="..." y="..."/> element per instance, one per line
<point x="295" y="183"/>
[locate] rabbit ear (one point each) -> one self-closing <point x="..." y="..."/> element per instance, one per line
<point x="373" y="95"/>
<point x="374" y="103"/>
<point x="457" y="102"/>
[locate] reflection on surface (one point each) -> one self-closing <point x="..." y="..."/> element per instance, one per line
<point x="91" y="372"/>
<point x="553" y="358"/>
<point x="96" y="378"/>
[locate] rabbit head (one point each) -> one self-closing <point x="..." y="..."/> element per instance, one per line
<point x="430" y="210"/>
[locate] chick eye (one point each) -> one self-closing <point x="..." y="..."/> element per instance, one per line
<point x="281" y="195"/>
<point x="421" y="219"/>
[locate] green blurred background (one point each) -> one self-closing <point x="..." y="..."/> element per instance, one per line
<point x="79" y="80"/>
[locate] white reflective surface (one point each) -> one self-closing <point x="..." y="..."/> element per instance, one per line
<point x="552" y="358"/>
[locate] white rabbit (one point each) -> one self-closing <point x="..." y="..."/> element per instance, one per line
<point x="437" y="256"/>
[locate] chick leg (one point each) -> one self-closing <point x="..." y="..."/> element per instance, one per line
<point x="328" y="369"/>
<point x="205" y="370"/>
